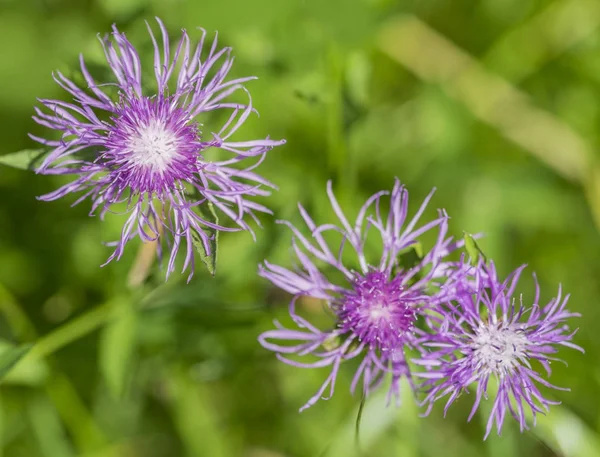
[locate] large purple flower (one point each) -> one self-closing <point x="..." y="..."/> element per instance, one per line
<point x="375" y="304"/>
<point x="147" y="151"/>
<point x="488" y="332"/>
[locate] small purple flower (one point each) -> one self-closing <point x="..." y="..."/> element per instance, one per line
<point x="488" y="332"/>
<point x="147" y="150"/>
<point x="375" y="304"/>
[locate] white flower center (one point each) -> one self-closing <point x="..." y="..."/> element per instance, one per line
<point x="153" y="146"/>
<point x="377" y="312"/>
<point x="499" y="350"/>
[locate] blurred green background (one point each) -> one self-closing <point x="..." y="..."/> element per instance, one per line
<point x="494" y="102"/>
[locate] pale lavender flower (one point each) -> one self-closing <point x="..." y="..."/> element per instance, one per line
<point x="488" y="332"/>
<point x="148" y="151"/>
<point x="375" y="306"/>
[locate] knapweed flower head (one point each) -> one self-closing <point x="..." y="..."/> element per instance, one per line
<point x="376" y="304"/>
<point x="147" y="150"/>
<point x="489" y="334"/>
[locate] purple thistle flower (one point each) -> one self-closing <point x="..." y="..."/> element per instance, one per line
<point x="375" y="307"/>
<point x="147" y="150"/>
<point x="488" y="332"/>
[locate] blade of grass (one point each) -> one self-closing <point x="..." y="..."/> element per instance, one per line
<point x="72" y="410"/>
<point x="546" y="35"/>
<point x="196" y="417"/>
<point x="489" y="97"/>
<point x="376" y="420"/>
<point x="47" y="428"/>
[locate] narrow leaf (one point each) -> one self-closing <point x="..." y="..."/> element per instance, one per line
<point x="376" y="419"/>
<point x="10" y="357"/>
<point x="208" y="258"/>
<point x="48" y="429"/>
<point x="27" y="159"/>
<point x="473" y="249"/>
<point x="29" y="372"/>
<point x="361" y="408"/>
<point x="197" y="417"/>
<point x="117" y="347"/>
<point x="410" y="256"/>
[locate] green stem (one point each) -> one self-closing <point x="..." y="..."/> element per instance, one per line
<point x="86" y="434"/>
<point x="17" y="319"/>
<point x="71" y="331"/>
<point x="78" y="420"/>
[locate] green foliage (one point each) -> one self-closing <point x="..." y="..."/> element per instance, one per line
<point x="27" y="159"/>
<point x="410" y="256"/>
<point x="208" y="256"/>
<point x="361" y="409"/>
<point x="494" y="104"/>
<point x="9" y="357"/>
<point x="473" y="250"/>
<point x="117" y="347"/>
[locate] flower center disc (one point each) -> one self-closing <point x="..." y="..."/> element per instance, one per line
<point x="377" y="311"/>
<point x="498" y="350"/>
<point x="152" y="144"/>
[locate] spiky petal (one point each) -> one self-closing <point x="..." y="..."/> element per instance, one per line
<point x="149" y="155"/>
<point x="375" y="305"/>
<point x="489" y="334"/>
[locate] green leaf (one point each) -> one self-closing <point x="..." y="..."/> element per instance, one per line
<point x="333" y="342"/>
<point x="29" y="372"/>
<point x="376" y="420"/>
<point x="27" y="159"/>
<point x="117" y="347"/>
<point x="207" y="212"/>
<point x="566" y="434"/>
<point x="49" y="431"/>
<point x="411" y="256"/>
<point x="196" y="417"/>
<point x="361" y="408"/>
<point x="473" y="249"/>
<point x="11" y="356"/>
